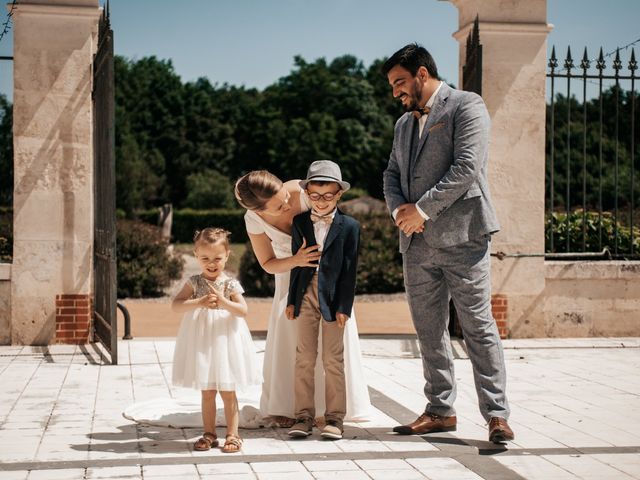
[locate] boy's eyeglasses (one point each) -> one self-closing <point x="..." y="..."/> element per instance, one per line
<point x="327" y="197"/>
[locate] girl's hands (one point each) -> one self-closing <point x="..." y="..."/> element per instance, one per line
<point x="307" y="256"/>
<point x="221" y="300"/>
<point x="210" y="300"/>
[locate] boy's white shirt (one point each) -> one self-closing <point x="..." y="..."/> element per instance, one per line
<point x="321" y="229"/>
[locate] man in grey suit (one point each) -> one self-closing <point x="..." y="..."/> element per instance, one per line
<point x="435" y="186"/>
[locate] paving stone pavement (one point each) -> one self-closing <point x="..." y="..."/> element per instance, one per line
<point x="575" y="411"/>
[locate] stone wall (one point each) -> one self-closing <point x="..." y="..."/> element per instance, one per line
<point x="591" y="299"/>
<point x="54" y="42"/>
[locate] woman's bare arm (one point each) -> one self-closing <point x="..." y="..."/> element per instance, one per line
<point x="305" y="257"/>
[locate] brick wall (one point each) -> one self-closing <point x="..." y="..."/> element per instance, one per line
<point x="73" y="318"/>
<point x="499" y="310"/>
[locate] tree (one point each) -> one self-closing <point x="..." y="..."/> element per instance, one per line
<point x="568" y="140"/>
<point x="209" y="189"/>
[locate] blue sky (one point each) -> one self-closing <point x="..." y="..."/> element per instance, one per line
<point x="252" y="42"/>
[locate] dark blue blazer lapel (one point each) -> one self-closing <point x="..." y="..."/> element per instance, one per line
<point x="334" y="230"/>
<point x="307" y="229"/>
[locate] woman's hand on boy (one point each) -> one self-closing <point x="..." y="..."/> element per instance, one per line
<point x="290" y="312"/>
<point x="307" y="256"/>
<point x="341" y="318"/>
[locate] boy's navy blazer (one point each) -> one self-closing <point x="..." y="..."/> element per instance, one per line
<point x="338" y="265"/>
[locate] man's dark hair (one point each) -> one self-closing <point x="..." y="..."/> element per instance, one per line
<point x="412" y="57"/>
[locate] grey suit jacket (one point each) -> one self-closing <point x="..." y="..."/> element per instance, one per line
<point x="448" y="178"/>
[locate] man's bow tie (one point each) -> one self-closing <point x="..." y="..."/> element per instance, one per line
<point x="321" y="218"/>
<point x="418" y="112"/>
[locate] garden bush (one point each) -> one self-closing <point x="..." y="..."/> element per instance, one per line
<point x="379" y="262"/>
<point x="255" y="281"/>
<point x="558" y="222"/>
<point x="145" y="266"/>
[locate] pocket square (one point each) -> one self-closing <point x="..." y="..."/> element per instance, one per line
<point x="436" y="126"/>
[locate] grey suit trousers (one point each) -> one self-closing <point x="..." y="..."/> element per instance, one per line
<point x="462" y="272"/>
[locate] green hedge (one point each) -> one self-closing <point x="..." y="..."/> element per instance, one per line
<point x="186" y="221"/>
<point x="379" y="265"/>
<point x="558" y="222"/>
<point x="145" y="266"/>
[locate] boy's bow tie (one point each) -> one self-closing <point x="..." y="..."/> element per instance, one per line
<point x="321" y="218"/>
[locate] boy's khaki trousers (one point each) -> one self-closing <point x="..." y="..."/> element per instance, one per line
<point x="309" y="322"/>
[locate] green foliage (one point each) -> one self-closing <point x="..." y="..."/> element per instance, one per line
<point x="209" y="189"/>
<point x="379" y="261"/>
<point x="145" y="266"/>
<point x="255" y="281"/>
<point x="570" y="142"/>
<point x="186" y="221"/>
<point x="353" y="193"/>
<point x="168" y="132"/>
<point x="590" y="228"/>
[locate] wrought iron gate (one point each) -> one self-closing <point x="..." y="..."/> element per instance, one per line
<point x="472" y="70"/>
<point x="105" y="274"/>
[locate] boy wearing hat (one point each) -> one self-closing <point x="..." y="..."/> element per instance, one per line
<point x="322" y="297"/>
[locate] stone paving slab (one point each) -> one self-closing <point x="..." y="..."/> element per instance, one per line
<point x="575" y="410"/>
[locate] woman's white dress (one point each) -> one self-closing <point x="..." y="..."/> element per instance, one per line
<point x="280" y="351"/>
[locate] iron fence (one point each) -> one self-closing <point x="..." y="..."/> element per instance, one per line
<point x="591" y="188"/>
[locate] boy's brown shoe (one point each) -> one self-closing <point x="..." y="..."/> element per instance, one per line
<point x="332" y="430"/>
<point x="302" y="428"/>
<point x="428" y="423"/>
<point x="499" y="430"/>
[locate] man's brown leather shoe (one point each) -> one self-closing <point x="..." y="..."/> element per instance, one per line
<point x="499" y="430"/>
<point x="428" y="423"/>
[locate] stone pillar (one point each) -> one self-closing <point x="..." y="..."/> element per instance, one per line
<point x="514" y="39"/>
<point x="54" y="42"/>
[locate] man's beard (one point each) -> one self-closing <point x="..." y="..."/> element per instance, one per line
<point x="413" y="104"/>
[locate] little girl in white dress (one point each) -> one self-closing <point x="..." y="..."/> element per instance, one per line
<point x="214" y="350"/>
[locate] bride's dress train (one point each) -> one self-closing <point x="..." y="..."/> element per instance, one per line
<point x="184" y="411"/>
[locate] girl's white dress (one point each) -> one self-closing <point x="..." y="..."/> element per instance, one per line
<point x="214" y="349"/>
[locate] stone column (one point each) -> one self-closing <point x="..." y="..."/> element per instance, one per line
<point x="514" y="39"/>
<point x="53" y="166"/>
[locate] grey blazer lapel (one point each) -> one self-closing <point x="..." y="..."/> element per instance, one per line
<point x="436" y="113"/>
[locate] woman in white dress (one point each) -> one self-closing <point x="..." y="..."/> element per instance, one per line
<point x="271" y="206"/>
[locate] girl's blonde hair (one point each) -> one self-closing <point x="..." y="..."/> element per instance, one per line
<point x="212" y="236"/>
<point x="256" y="188"/>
